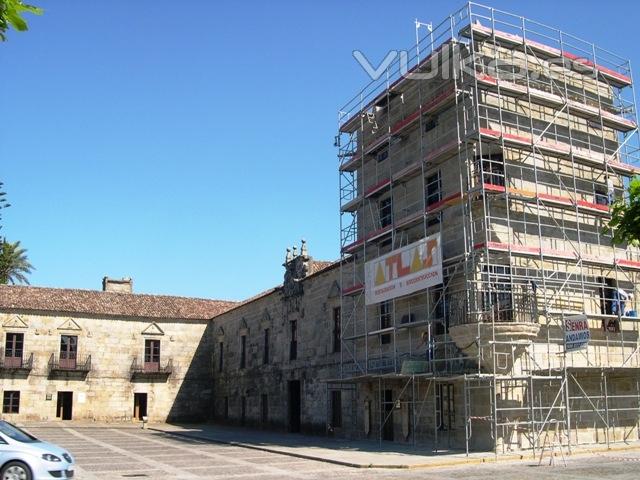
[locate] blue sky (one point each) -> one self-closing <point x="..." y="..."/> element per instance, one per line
<point x="186" y="144"/>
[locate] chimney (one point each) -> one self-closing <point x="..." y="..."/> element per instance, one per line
<point x="122" y="285"/>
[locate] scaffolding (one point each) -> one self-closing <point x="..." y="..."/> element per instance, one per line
<point x="510" y="139"/>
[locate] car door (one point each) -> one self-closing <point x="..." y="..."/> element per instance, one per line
<point x="4" y="456"/>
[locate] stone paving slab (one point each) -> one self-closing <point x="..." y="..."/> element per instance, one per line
<point x="359" y="454"/>
<point x="161" y="455"/>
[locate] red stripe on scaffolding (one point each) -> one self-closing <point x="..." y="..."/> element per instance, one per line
<point x="548" y="197"/>
<point x="396" y="83"/>
<point x="432" y="156"/>
<point x="346" y="166"/>
<point x="447" y="200"/>
<point x="555" y="198"/>
<point x="555" y="52"/>
<point x="587" y="110"/>
<point x="377" y="187"/>
<point x="353" y="289"/>
<point x="412" y="169"/>
<point x="548" y="252"/>
<point x="628" y="263"/>
<point x="378" y="233"/>
<point x="352" y="246"/>
<point x="558" y="148"/>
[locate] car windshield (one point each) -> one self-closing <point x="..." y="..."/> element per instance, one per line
<point x="15" y="433"/>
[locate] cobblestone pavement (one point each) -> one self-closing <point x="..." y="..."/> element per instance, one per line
<point x="126" y="453"/>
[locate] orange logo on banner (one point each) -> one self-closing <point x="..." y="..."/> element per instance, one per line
<point x="395" y="268"/>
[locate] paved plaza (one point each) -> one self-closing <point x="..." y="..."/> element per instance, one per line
<point x="121" y="453"/>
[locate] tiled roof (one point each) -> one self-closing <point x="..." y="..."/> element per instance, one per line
<point x="320" y="265"/>
<point x="94" y="302"/>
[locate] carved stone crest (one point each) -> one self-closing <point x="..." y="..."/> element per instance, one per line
<point x="297" y="267"/>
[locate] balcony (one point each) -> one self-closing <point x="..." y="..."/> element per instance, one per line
<point x="15" y="363"/>
<point x="69" y="364"/>
<point x="141" y="368"/>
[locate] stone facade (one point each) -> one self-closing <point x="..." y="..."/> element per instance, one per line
<point x="110" y="370"/>
<point x="287" y="336"/>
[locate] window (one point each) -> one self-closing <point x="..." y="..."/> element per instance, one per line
<point x="293" y="346"/>
<point x="243" y="351"/>
<point x="152" y="355"/>
<point x="490" y="169"/>
<point x="437" y="308"/>
<point x="336" y="408"/>
<point x="385" y="212"/>
<point x="264" y="408"/>
<point x="265" y="351"/>
<point x="497" y="298"/>
<point x="433" y="196"/>
<point x="68" y="351"/>
<point x="382" y="156"/>
<point x="220" y="356"/>
<point x="433" y="188"/>
<point x="601" y="195"/>
<point x="11" y="402"/>
<point x="385" y="321"/>
<point x="13" y="349"/>
<point x="430" y="123"/>
<point x="446" y="406"/>
<point x="336" y="330"/>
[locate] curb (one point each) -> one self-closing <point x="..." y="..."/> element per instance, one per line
<point x="435" y="464"/>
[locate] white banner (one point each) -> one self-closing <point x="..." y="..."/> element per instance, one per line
<point x="576" y="332"/>
<point x="404" y="271"/>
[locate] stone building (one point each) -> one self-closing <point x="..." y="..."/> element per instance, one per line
<point x="478" y="302"/>
<point x="483" y="303"/>
<point x="273" y="352"/>
<point x="108" y="355"/>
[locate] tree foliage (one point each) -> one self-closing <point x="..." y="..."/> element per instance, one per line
<point x="3" y="202"/>
<point x="14" y="264"/>
<point x="11" y="12"/>
<point x="625" y="217"/>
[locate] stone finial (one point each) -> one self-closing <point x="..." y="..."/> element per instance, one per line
<point x="288" y="257"/>
<point x="295" y="251"/>
<point x="303" y="248"/>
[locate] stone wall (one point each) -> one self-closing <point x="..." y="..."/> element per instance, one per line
<point x="106" y="391"/>
<point x="311" y="306"/>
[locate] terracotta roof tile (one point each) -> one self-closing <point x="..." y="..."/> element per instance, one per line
<point x="109" y="303"/>
<point x="320" y="265"/>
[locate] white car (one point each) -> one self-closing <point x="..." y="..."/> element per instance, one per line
<point x="24" y="457"/>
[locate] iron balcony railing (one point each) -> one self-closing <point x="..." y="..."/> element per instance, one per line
<point x="15" y="362"/>
<point x="142" y="367"/>
<point x="69" y="363"/>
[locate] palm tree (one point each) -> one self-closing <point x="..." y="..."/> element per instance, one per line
<point x="14" y="265"/>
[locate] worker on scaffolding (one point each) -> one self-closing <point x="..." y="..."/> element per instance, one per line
<point x="427" y="340"/>
<point x="620" y="298"/>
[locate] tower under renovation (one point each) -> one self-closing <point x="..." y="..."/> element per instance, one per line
<point x="483" y="303"/>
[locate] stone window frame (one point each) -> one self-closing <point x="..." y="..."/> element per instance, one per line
<point x="243" y="333"/>
<point x="336" y="331"/>
<point x="11" y="402"/>
<point x="243" y="352"/>
<point x="293" y="339"/>
<point x="220" y="339"/>
<point x="149" y="353"/>
<point x="266" y="346"/>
